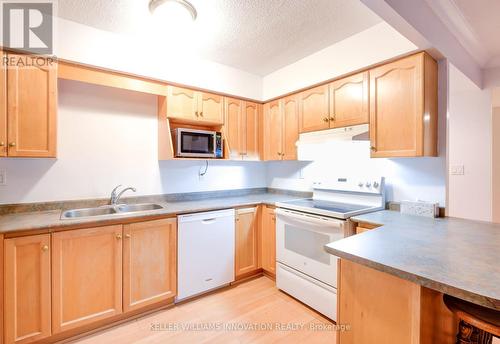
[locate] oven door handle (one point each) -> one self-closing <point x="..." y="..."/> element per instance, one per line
<point x="310" y="219"/>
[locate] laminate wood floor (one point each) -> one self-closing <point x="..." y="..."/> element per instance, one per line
<point x="251" y="312"/>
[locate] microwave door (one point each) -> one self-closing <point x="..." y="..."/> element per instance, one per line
<point x="196" y="144"/>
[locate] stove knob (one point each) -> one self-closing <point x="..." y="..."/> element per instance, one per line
<point x="360" y="184"/>
<point x="368" y="184"/>
<point x="375" y="184"/>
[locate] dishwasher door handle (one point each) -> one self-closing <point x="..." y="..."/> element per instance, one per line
<point x="209" y="221"/>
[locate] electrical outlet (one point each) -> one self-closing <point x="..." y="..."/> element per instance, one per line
<point x="457" y="170"/>
<point x="3" y="177"/>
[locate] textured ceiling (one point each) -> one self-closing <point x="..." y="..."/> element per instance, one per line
<point x="258" y="36"/>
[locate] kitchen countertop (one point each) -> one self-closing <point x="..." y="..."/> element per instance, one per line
<point x="453" y="256"/>
<point x="47" y="221"/>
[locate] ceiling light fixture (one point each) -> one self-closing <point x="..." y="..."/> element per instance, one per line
<point x="154" y="4"/>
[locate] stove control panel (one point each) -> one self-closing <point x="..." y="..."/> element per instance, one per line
<point x="364" y="185"/>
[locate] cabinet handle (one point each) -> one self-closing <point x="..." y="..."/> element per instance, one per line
<point x="118" y="236"/>
<point x="201" y="114"/>
<point x="373" y="148"/>
<point x="12" y="144"/>
<point x="325" y="119"/>
<point x="2" y="144"/>
<point x="127" y="236"/>
<point x="332" y="118"/>
<point x="45" y="248"/>
<point x="196" y="113"/>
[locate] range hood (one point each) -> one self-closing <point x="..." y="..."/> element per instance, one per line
<point x="354" y="133"/>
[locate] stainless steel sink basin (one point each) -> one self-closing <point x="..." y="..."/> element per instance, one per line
<point x="109" y="210"/>
<point x="129" y="208"/>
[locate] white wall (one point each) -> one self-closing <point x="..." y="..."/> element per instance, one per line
<point x="469" y="144"/>
<point x="107" y="137"/>
<point x="373" y="45"/>
<point x="146" y="56"/>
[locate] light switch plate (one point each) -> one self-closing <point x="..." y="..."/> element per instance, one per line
<point x="457" y="170"/>
<point x="3" y="177"/>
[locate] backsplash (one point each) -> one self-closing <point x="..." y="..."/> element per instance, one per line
<point x="406" y="178"/>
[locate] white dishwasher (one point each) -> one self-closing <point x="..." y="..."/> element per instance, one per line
<point x="205" y="252"/>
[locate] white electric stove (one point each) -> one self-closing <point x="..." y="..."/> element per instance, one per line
<point x="303" y="227"/>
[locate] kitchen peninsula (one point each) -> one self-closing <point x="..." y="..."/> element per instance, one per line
<point x="398" y="273"/>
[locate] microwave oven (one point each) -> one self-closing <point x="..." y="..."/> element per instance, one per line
<point x="193" y="143"/>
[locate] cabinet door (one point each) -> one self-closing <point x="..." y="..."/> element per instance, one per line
<point x="232" y="127"/>
<point x="396" y="108"/>
<point x="290" y="127"/>
<point x="349" y="101"/>
<point x="87" y="276"/>
<point x="149" y="263"/>
<point x="314" y="109"/>
<point x="3" y="107"/>
<point x="27" y="288"/>
<point x="268" y="240"/>
<point x="246" y="252"/>
<point x="273" y="131"/>
<point x="210" y="108"/>
<point x="31" y="109"/>
<point x="182" y="103"/>
<point x="251" y="130"/>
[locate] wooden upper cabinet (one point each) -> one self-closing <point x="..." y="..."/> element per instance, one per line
<point x="268" y="239"/>
<point x="403" y="108"/>
<point x="31" y="110"/>
<point x="273" y="130"/>
<point x="232" y="127"/>
<point x="182" y="103"/>
<point x="210" y="108"/>
<point x="290" y="127"/>
<point x="314" y="109"/>
<point x="250" y="138"/>
<point x="87" y="276"/>
<point x="349" y="101"/>
<point x="246" y="251"/>
<point x="186" y="105"/>
<point x="242" y="129"/>
<point x="149" y="263"/>
<point x="3" y="107"/>
<point x="27" y="289"/>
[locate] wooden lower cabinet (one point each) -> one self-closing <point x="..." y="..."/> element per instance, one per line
<point x="86" y="276"/>
<point x="362" y="227"/>
<point x="149" y="262"/>
<point x="27" y="288"/>
<point x="382" y="308"/>
<point x="268" y="240"/>
<point x="246" y="248"/>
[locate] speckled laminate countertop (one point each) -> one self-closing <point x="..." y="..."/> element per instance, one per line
<point x="47" y="221"/>
<point x="454" y="256"/>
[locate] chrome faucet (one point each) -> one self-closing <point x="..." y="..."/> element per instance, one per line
<point x="116" y="197"/>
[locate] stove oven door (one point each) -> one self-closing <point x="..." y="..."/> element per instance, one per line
<point x="300" y="241"/>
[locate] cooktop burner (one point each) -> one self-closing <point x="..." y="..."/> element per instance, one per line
<point x="327" y="205"/>
<point x="342" y="198"/>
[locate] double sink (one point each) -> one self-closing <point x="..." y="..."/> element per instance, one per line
<point x="106" y="210"/>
